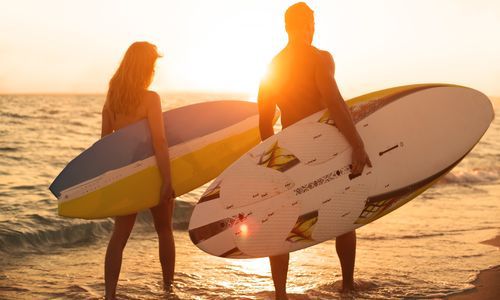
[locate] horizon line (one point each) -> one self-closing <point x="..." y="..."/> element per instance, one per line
<point x="162" y="92"/>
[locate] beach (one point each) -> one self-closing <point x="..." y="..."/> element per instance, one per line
<point x="444" y="244"/>
<point x="486" y="285"/>
<point x="73" y="71"/>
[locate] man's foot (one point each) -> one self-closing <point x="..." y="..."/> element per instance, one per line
<point x="348" y="287"/>
<point x="356" y="286"/>
<point x="281" y="296"/>
<point x="167" y="286"/>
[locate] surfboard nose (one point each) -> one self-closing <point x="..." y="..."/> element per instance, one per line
<point x="479" y="107"/>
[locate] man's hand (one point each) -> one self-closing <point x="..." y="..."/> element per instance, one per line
<point x="360" y="159"/>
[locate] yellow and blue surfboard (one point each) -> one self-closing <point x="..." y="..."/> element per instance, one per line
<point x="118" y="175"/>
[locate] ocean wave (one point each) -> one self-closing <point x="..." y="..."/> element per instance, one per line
<point x="9" y="149"/>
<point x="14" y="115"/>
<point x="472" y="176"/>
<point x="24" y="187"/>
<point x="24" y="238"/>
<point x="418" y="235"/>
<point x="402" y="237"/>
<point x="49" y="111"/>
<point x="13" y="289"/>
<point x="77" y="123"/>
<point x="11" y="157"/>
<point x="36" y="233"/>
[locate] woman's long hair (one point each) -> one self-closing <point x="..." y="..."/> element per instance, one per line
<point x="134" y="75"/>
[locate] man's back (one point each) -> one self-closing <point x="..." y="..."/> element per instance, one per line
<point x="291" y="83"/>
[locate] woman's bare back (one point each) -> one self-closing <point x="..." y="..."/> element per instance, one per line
<point x="121" y="120"/>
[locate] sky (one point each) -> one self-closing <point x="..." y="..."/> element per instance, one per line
<point x="62" y="46"/>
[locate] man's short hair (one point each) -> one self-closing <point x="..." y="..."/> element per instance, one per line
<point x="297" y="16"/>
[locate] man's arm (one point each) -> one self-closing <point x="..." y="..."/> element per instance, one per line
<point x="267" y="109"/>
<point x="339" y="111"/>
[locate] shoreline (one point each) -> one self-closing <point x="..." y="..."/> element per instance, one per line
<point x="486" y="284"/>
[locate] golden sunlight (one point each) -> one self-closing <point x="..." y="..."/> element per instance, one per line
<point x="221" y="52"/>
<point x="259" y="266"/>
<point x="225" y="46"/>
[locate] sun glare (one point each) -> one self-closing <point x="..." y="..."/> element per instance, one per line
<point x="225" y="46"/>
<point x="224" y="65"/>
<point x="244" y="230"/>
<point x="217" y="51"/>
<point x="259" y="266"/>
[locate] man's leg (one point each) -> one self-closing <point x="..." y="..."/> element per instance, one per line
<point x="279" y="270"/>
<point x="346" y="250"/>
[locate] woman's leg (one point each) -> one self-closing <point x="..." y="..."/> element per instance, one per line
<point x="162" y="215"/>
<point x="113" y="263"/>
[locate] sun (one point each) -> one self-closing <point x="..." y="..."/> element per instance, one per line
<point x="220" y="52"/>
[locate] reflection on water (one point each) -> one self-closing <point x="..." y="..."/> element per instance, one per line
<point x="428" y="248"/>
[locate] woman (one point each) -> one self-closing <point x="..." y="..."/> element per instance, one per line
<point x="128" y="101"/>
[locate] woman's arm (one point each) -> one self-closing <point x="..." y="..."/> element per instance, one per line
<point x="160" y="143"/>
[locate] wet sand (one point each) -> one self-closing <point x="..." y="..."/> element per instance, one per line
<point x="487" y="284"/>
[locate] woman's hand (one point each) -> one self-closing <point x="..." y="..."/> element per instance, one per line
<point x="166" y="193"/>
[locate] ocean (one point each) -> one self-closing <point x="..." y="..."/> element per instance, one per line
<point x="429" y="248"/>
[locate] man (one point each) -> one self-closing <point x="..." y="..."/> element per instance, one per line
<point x="301" y="82"/>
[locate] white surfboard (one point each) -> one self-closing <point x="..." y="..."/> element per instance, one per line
<point x="295" y="189"/>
